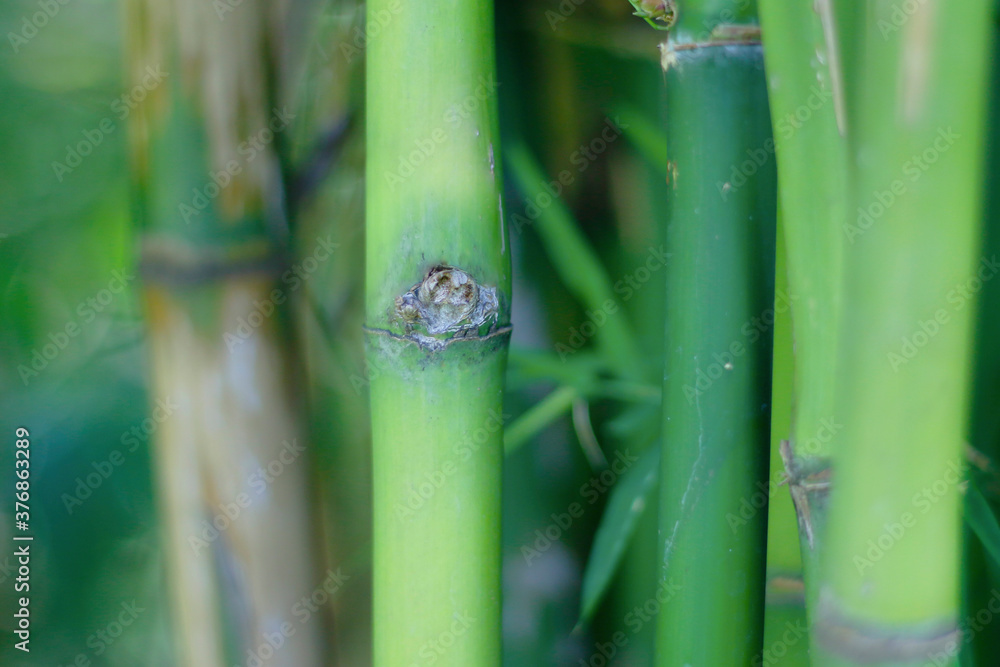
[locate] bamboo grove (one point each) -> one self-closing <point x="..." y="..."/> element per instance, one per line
<point x="482" y="333"/>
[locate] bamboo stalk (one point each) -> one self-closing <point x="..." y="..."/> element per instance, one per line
<point x="785" y="594"/>
<point x="437" y="309"/>
<point x="809" y="115"/>
<point x="231" y="471"/>
<point x="718" y="352"/>
<point x="912" y="237"/>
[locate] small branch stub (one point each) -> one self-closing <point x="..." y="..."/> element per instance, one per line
<point x="448" y="303"/>
<point x="810" y="488"/>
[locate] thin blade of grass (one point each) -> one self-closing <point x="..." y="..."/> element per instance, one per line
<point x="575" y="261"/>
<point x="980" y="517"/>
<point x="627" y="502"/>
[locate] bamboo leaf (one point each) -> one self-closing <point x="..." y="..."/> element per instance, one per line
<point x="980" y="517"/>
<point x="538" y="417"/>
<point x="626" y="504"/>
<point x="647" y="138"/>
<point x="575" y="261"/>
<point x="529" y="367"/>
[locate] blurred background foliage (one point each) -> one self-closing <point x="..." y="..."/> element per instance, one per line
<point x="568" y="71"/>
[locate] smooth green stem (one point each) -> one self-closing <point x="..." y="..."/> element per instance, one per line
<point x="720" y="288"/>
<point x="911" y="267"/>
<point x="785" y="598"/>
<point x="436" y="428"/>
<point x="434" y="200"/>
<point x="802" y="48"/>
<point x="805" y="99"/>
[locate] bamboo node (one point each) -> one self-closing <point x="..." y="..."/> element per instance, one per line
<point x="869" y="642"/>
<point x="447" y="303"/>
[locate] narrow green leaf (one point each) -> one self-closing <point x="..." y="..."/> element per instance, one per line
<point x="574" y="260"/>
<point x="529" y="367"/>
<point x="626" y="504"/>
<point x="979" y="515"/>
<point x="648" y="139"/>
<point x="538" y="417"/>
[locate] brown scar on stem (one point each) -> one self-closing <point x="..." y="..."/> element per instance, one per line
<point x="735" y="33"/>
<point x="807" y="489"/>
<point x="724" y="34"/>
<point x="785" y="589"/>
<point x="672" y="173"/>
<point x="448" y="305"/>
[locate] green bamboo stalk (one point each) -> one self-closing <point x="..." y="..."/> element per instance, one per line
<point x="808" y="108"/>
<point x="902" y="385"/>
<point x="232" y="482"/>
<point x="786" y="636"/>
<point x="436" y="336"/>
<point x="720" y="287"/>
